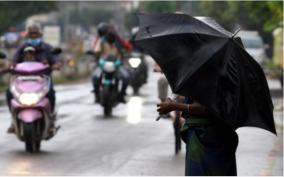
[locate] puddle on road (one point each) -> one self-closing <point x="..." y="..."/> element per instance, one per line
<point x="62" y="116"/>
<point x="22" y="166"/>
<point x="134" y="110"/>
<point x="150" y="102"/>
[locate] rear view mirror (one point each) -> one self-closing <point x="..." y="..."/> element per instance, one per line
<point x="2" y="55"/>
<point x="56" y="51"/>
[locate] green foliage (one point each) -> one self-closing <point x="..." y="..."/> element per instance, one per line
<point x="271" y="13"/>
<point x="259" y="15"/>
<point x="263" y="16"/>
<point x="3" y="86"/>
<point x="131" y="19"/>
<point x="12" y="13"/>
<point x="159" y="6"/>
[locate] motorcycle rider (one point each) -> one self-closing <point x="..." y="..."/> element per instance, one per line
<point x="121" y="43"/>
<point x="42" y="54"/>
<point x="136" y="48"/>
<point x="109" y="43"/>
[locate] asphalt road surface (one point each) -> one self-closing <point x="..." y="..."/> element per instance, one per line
<point x="129" y="143"/>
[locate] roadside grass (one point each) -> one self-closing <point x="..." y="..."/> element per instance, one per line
<point x="3" y="86"/>
<point x="271" y="69"/>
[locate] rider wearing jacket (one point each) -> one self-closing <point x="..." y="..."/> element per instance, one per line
<point x="42" y="54"/>
<point x="109" y="43"/>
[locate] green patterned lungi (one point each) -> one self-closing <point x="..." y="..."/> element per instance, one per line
<point x="210" y="147"/>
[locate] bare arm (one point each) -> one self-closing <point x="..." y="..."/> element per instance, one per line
<point x="170" y="105"/>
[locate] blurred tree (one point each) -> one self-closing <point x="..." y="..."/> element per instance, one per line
<point x="12" y="13"/>
<point x="259" y="15"/>
<point x="159" y="6"/>
<point x="131" y="19"/>
<point x="263" y="16"/>
<point x="152" y="7"/>
<point x="89" y="16"/>
<point x="269" y="14"/>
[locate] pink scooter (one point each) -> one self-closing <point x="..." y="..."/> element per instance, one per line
<point x="31" y="110"/>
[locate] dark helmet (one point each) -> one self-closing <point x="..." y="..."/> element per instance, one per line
<point x="103" y="29"/>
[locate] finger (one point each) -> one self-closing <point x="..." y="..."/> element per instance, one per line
<point x="160" y="110"/>
<point x="169" y="99"/>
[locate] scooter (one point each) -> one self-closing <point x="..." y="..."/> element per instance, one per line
<point x="31" y="111"/>
<point x="109" y="83"/>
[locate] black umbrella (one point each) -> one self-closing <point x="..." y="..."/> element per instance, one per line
<point x="203" y="61"/>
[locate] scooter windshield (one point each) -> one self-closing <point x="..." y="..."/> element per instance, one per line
<point x="30" y="68"/>
<point x="30" y="84"/>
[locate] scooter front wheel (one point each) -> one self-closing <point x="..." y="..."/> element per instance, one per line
<point x="107" y="110"/>
<point x="31" y="144"/>
<point x="136" y="90"/>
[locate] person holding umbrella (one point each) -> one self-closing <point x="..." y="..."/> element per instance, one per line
<point x="225" y="88"/>
<point x="210" y="145"/>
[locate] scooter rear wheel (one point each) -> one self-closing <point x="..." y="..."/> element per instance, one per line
<point x="108" y="101"/>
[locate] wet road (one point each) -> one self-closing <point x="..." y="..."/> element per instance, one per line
<point x="130" y="143"/>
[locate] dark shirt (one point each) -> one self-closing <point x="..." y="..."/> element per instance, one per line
<point x="43" y="52"/>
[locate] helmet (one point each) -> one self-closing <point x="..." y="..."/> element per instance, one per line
<point x="103" y="28"/>
<point x="35" y="26"/>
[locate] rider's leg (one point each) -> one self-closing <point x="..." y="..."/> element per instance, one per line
<point x="124" y="77"/>
<point x="51" y="97"/>
<point x="144" y="68"/>
<point x="96" y="82"/>
<point x="9" y="97"/>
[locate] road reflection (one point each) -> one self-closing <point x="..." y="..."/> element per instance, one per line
<point x="134" y="110"/>
<point x="21" y="166"/>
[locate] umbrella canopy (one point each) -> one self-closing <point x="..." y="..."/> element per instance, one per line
<point x="206" y="63"/>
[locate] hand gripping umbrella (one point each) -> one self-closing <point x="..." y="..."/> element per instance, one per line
<point x="206" y="63"/>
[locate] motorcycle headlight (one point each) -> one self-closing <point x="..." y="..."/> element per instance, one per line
<point x="134" y="62"/>
<point x="109" y="67"/>
<point x="29" y="98"/>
